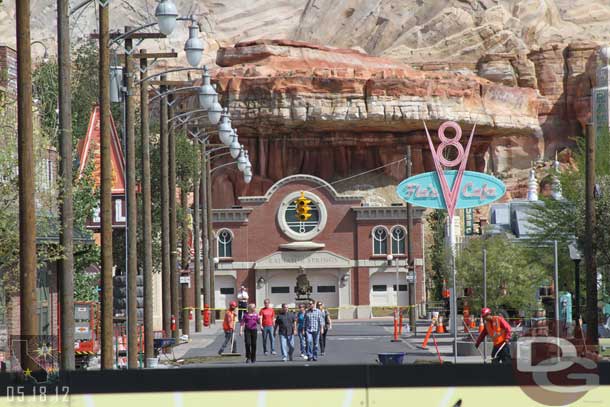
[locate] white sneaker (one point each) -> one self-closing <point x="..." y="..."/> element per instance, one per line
<point x="304" y="357"/>
<point x="284" y="359"/>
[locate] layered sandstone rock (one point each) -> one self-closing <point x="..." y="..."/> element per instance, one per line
<point x="331" y="112"/>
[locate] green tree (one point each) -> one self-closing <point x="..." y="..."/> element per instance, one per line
<point x="565" y="220"/>
<point x="438" y="253"/>
<point x="512" y="275"/>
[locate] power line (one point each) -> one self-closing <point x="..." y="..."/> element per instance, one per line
<point x="358" y="175"/>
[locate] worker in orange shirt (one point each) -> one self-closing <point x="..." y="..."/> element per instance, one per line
<point x="498" y="330"/>
<point x="228" y="326"/>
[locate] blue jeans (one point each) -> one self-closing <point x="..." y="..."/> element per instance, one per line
<point x="287" y="346"/>
<point x="303" y="342"/>
<point x="313" y="339"/>
<point x="268" y="332"/>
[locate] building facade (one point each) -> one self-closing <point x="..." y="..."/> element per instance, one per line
<point x="342" y="248"/>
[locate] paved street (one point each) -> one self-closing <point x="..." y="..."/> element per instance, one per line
<point x="350" y="342"/>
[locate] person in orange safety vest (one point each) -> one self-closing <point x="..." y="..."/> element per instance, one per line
<point x="228" y="325"/>
<point x="498" y="330"/>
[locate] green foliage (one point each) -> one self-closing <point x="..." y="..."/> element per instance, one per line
<point x="438" y="253"/>
<point x="85" y="79"/>
<point x="85" y="286"/>
<point x="46" y="93"/>
<point x="509" y="265"/>
<point x="186" y="162"/>
<point x="565" y="220"/>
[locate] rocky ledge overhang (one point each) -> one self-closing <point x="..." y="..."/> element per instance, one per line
<point x="286" y="85"/>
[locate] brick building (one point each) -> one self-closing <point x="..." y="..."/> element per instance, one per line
<point x="342" y="248"/>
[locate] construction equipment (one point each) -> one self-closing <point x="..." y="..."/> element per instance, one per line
<point x="86" y="332"/>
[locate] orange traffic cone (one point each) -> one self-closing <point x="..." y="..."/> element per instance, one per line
<point x="425" y="342"/>
<point x="440" y="328"/>
<point x="481" y="326"/>
<point x="472" y="323"/>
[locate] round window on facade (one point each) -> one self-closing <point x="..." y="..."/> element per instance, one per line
<point x="294" y="224"/>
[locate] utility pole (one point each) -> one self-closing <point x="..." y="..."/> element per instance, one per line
<point x="165" y="257"/>
<point x="66" y="231"/>
<point x="184" y="260"/>
<point x="196" y="234"/>
<point x="204" y="221"/>
<point x="146" y="214"/>
<point x="107" y="361"/>
<point x="410" y="260"/>
<point x="210" y="227"/>
<point x="132" y="215"/>
<point x="590" y="226"/>
<point x="173" y="250"/>
<point x="27" y="214"/>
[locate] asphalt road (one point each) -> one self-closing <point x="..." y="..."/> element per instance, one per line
<point x="350" y="342"/>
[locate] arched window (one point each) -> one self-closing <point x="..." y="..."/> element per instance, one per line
<point x="398" y="240"/>
<point x="380" y="240"/>
<point x="225" y="243"/>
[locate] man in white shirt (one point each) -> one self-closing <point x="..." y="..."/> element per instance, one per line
<point x="242" y="301"/>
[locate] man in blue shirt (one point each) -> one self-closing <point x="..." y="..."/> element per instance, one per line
<point x="314" y="322"/>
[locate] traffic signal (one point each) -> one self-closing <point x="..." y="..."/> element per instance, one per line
<point x="303" y="208"/>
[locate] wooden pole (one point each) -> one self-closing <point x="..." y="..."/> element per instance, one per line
<point x="165" y="258"/>
<point x="590" y="226"/>
<point x="66" y="233"/>
<point x="146" y="215"/>
<point x="107" y="361"/>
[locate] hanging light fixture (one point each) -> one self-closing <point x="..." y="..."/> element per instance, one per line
<point x="194" y="46"/>
<point x="242" y="160"/>
<point x="225" y="132"/>
<point x="215" y="111"/>
<point x="206" y="91"/>
<point x="235" y="148"/>
<point x="247" y="178"/>
<point x="166" y="14"/>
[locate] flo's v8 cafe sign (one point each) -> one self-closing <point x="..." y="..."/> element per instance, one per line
<point x="476" y="189"/>
<point x="448" y="188"/>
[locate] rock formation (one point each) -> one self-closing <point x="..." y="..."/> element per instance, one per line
<point x="331" y="112"/>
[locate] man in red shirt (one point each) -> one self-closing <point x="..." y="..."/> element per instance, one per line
<point x="498" y="330"/>
<point x="267" y="315"/>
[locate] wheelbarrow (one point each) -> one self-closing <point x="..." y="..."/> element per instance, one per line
<point x="394" y="358"/>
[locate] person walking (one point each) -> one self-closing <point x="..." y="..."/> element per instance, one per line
<point x="267" y="315"/>
<point x="327" y="327"/>
<point x="228" y="326"/>
<point x="314" y="321"/>
<point x="242" y="301"/>
<point x="301" y="331"/>
<point x="498" y="330"/>
<point x="249" y="327"/>
<point x="286" y="326"/>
